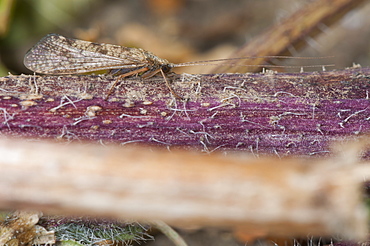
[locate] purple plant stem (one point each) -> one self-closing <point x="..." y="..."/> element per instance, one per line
<point x="274" y="113"/>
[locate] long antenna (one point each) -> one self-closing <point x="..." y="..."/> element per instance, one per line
<point x="209" y="62"/>
<point x="241" y="65"/>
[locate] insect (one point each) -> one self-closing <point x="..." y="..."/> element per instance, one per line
<point x="56" y="54"/>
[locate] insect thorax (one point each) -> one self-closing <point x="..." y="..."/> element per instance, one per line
<point x="157" y="63"/>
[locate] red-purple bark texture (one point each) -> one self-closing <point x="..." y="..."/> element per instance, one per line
<point x="265" y="113"/>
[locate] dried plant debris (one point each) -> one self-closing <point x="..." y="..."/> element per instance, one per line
<point x="29" y="228"/>
<point x="92" y="231"/>
<point x="19" y="228"/>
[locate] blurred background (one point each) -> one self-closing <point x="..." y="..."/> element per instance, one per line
<point x="177" y="30"/>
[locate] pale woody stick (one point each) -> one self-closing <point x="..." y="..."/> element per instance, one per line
<point x="282" y="197"/>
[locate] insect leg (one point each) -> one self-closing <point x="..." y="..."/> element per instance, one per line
<point x="154" y="72"/>
<point x="168" y="85"/>
<point x="133" y="72"/>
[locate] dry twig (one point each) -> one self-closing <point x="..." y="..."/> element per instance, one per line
<point x="281" y="197"/>
<point x="290" y="32"/>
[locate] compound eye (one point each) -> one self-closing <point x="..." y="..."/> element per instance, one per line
<point x="166" y="68"/>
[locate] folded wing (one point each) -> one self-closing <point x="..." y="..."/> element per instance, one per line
<point x="56" y="54"/>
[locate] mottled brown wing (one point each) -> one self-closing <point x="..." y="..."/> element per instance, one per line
<point x="56" y="54"/>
